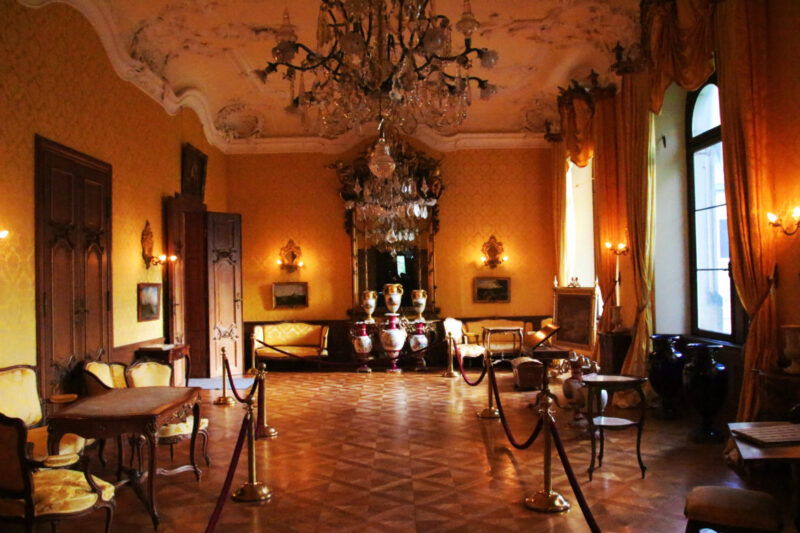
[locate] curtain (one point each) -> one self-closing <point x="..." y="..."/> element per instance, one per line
<point x="677" y="36"/>
<point x="741" y="36"/>
<point x="576" y="110"/>
<point x="560" y="166"/>
<point x="635" y="163"/>
<point x="609" y="205"/>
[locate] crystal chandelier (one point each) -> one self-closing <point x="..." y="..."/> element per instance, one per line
<point x="390" y="60"/>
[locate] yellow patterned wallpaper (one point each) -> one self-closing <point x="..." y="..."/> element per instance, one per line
<point x="71" y="95"/>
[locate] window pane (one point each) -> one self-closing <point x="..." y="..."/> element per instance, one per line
<point x="705" y="114"/>
<point x="714" y="301"/>
<point x="709" y="178"/>
<point x="711" y="238"/>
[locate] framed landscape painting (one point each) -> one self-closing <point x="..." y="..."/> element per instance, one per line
<point x="289" y="295"/>
<point x="574" y="311"/>
<point x="148" y="301"/>
<point x="491" y="290"/>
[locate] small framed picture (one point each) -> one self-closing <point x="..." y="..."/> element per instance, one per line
<point x="193" y="171"/>
<point x="148" y="301"/>
<point x="289" y="295"/>
<point x="573" y="310"/>
<point x="491" y="290"/>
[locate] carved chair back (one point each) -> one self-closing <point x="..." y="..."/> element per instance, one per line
<point x="454" y="329"/>
<point x="20" y="398"/>
<point x="100" y="377"/>
<point x="149" y="374"/>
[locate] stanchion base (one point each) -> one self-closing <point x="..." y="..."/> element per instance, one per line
<point x="251" y="372"/>
<point x="489" y="412"/>
<point x="364" y="370"/>
<point x="252" y="492"/>
<point x="225" y="401"/>
<point x="268" y="432"/>
<point x="449" y="374"/>
<point x="547" y="502"/>
<point x="394" y="370"/>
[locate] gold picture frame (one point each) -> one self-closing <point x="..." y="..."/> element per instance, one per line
<point x="148" y="301"/>
<point x="494" y="290"/>
<point x="574" y="311"/>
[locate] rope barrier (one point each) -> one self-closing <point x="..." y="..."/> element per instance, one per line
<point x="573" y="481"/>
<point x="226" y="486"/>
<point x="506" y="428"/>
<point x="463" y="375"/>
<point x="233" y="386"/>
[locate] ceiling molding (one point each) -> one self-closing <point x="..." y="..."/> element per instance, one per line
<point x="138" y="73"/>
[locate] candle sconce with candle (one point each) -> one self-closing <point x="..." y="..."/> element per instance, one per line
<point x="616" y="314"/>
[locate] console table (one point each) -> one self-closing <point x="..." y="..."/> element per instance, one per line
<point x="138" y="411"/>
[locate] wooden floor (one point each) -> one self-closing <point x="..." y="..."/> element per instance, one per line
<point x="406" y="452"/>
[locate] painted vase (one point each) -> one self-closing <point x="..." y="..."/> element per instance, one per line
<point x="418" y="342"/>
<point x="705" y="382"/>
<point x="665" y="370"/>
<point x="393" y="295"/>
<point x="419" y="298"/>
<point x="362" y="344"/>
<point x="791" y="348"/>
<point x="369" y="300"/>
<point x="393" y="337"/>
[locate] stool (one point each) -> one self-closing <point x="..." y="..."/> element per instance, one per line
<point x="732" y="510"/>
<point x="528" y="373"/>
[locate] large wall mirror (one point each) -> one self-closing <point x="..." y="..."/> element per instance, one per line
<point x="392" y="221"/>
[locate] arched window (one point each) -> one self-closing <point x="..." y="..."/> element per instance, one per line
<point x="714" y="303"/>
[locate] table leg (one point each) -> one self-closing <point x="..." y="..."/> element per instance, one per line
<point x="195" y="428"/>
<point x="151" y="481"/>
<point x="602" y="448"/>
<point x="590" y="415"/>
<point x="640" y="427"/>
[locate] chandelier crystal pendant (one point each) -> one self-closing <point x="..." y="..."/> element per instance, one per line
<point x="381" y="59"/>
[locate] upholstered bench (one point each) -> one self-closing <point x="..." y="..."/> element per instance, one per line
<point x="297" y="338"/>
<point x="728" y="509"/>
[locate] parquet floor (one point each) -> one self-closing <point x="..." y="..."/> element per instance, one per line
<point x="389" y="453"/>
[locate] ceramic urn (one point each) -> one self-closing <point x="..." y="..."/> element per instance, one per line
<point x="418" y="341"/>
<point x="393" y="294"/>
<point x="362" y="344"/>
<point x="369" y="300"/>
<point x="419" y="298"/>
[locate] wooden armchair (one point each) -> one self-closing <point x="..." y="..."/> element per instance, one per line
<point x="31" y="494"/>
<point x="457" y="344"/>
<point x="157" y="374"/>
<point x="20" y="399"/>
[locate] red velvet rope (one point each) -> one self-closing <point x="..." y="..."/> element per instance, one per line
<point x="573" y="481"/>
<point x="463" y="375"/>
<point x="226" y="487"/>
<point x="511" y="439"/>
<point x="233" y="387"/>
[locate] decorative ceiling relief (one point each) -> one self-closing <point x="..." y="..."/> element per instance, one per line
<point x="204" y="54"/>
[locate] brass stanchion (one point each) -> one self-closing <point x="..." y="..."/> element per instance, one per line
<point x="263" y="430"/>
<point x="490" y="411"/>
<point x="224" y="400"/>
<point x="253" y="490"/>
<point x="450" y="373"/>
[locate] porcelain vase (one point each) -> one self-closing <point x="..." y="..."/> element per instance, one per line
<point x="665" y="370"/>
<point x="393" y="295"/>
<point x="791" y="348"/>
<point x="705" y="382"/>
<point x="369" y="300"/>
<point x="393" y="337"/>
<point x="362" y="344"/>
<point x="419" y="298"/>
<point x="418" y="342"/>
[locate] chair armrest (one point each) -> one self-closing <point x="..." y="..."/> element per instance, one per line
<point x="60" y="461"/>
<point x="62" y="398"/>
<point x="471" y="334"/>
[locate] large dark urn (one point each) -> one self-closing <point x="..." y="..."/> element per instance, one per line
<point x="665" y="367"/>
<point x="705" y="382"/>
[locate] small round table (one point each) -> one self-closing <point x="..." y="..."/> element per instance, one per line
<point x="598" y="382"/>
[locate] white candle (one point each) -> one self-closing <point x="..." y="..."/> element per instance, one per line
<point x="616" y="283"/>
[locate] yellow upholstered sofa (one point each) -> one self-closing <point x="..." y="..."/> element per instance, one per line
<point x="297" y="338"/>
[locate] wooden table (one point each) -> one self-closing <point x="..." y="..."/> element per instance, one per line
<point x="487" y="338"/>
<point x="599" y="382"/>
<point x="138" y="411"/>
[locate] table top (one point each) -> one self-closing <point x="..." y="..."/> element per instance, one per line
<point x="146" y="402"/>
<point x="161" y="347"/>
<point x="751" y="452"/>
<point x="611" y="380"/>
<point x="504" y="329"/>
<point x="545" y="353"/>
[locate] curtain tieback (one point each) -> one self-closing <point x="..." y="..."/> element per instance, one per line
<point x="767" y="294"/>
<point x="642" y="308"/>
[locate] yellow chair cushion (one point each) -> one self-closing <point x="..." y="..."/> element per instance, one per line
<point x="102" y="372"/>
<point x="729" y="506"/>
<point x="20" y="395"/>
<point x="150" y="375"/>
<point x="290" y="334"/>
<point x="300" y="351"/>
<point x="181" y="428"/>
<point x="58" y="492"/>
<point x="70" y="443"/>
<point x="118" y="376"/>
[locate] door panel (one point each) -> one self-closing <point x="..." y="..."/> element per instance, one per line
<point x="64" y="312"/>
<point x="225" y="290"/>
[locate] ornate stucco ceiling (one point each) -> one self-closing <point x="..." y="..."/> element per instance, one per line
<point x="202" y="54"/>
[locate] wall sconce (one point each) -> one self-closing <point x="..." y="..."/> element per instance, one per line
<point x="290" y="257"/>
<point x="147" y="249"/>
<point x="493" y="253"/>
<point x="776" y="221"/>
<point x="3" y="234"/>
<point x="620" y="249"/>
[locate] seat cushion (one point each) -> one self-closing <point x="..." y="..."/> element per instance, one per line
<point x="58" y="492"/>
<point x="181" y="428"/>
<point x="728" y="506"/>
<point x="70" y="443"/>
<point x="290" y="334"/>
<point x="300" y="351"/>
<point x="20" y="395"/>
<point x="150" y="374"/>
<point x="470" y="350"/>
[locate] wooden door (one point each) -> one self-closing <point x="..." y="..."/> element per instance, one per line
<point x="73" y="270"/>
<point x="224" y="248"/>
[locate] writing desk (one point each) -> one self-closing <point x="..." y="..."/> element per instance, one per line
<point x="139" y="411"/>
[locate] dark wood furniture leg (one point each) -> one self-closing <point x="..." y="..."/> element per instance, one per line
<point x="640" y="427"/>
<point x="590" y="415"/>
<point x="151" y="481"/>
<point x="195" y="428"/>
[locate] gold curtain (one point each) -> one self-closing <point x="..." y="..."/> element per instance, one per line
<point x="560" y="166"/>
<point x="635" y="163"/>
<point x="677" y="36"/>
<point x="741" y="34"/>
<point x="576" y="111"/>
<point x="609" y="205"/>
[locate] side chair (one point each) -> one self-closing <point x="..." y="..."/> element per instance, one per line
<point x="457" y="344"/>
<point x="45" y="491"/>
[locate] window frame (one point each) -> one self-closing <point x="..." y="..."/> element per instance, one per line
<point x="694" y="144"/>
